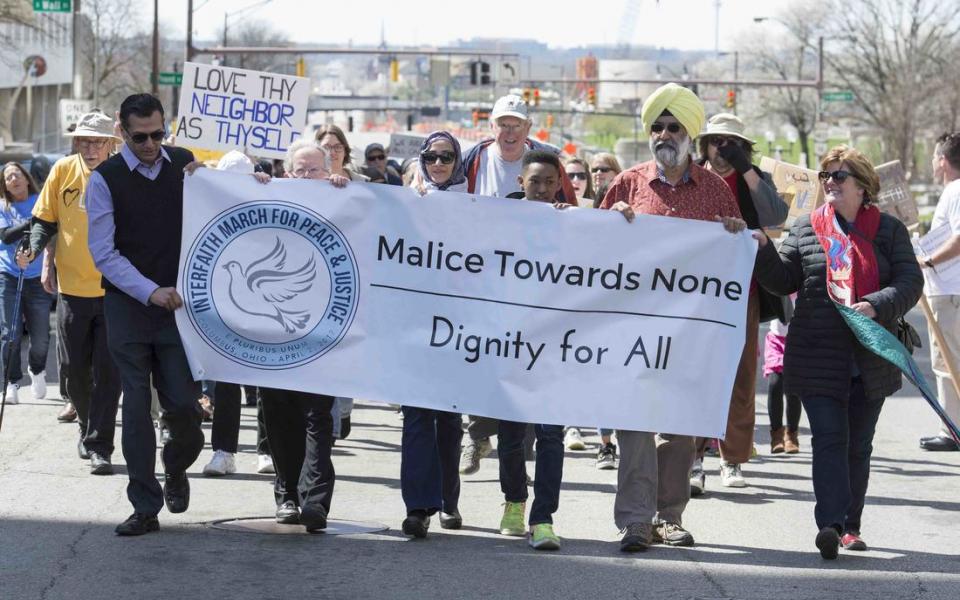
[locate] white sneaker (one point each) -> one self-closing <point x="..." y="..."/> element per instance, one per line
<point x="38" y="385"/>
<point x="222" y="463"/>
<point x="573" y="440"/>
<point x="265" y="464"/>
<point x="732" y="476"/>
<point x="698" y="479"/>
<point x="13" y="393"/>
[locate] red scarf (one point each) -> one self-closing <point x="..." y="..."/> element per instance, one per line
<point x="852" y="271"/>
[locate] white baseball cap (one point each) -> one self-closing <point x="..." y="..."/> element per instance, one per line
<point x="511" y="105"/>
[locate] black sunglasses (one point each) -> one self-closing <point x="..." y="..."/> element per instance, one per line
<point x="430" y="158"/>
<point x="377" y="157"/>
<point x="577" y="175"/>
<point x="600" y="170"/>
<point x="838" y="176"/>
<point x="139" y="138"/>
<point x="671" y="127"/>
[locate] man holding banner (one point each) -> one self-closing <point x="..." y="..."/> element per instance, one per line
<point x="653" y="483"/>
<point x="943" y="286"/>
<point x="135" y="213"/>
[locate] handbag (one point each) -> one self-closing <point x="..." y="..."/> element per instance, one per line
<point x="907" y="335"/>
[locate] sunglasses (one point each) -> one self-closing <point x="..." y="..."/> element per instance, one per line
<point x="376" y="157"/>
<point x="139" y="138"/>
<point x="430" y="158"/>
<point x="671" y="127"/>
<point x="600" y="170"/>
<point x="837" y="176"/>
<point x="577" y="175"/>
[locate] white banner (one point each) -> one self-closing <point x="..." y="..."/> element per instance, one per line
<point x="222" y="108"/>
<point x="487" y="306"/>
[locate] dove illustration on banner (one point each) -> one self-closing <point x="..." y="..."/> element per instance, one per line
<point x="264" y="286"/>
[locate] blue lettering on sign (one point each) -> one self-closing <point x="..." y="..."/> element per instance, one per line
<point x="242" y="109"/>
<point x="264" y="219"/>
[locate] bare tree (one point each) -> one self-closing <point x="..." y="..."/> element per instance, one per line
<point x="115" y="65"/>
<point x="257" y="34"/>
<point x="893" y="54"/>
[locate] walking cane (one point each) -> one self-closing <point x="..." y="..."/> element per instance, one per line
<point x="13" y="329"/>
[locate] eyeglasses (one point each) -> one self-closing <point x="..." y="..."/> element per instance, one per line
<point x="658" y="127"/>
<point x="837" y="176"/>
<point x="139" y="138"/>
<point x="13" y="174"/>
<point x="94" y="142"/>
<point x="600" y="170"/>
<point x="307" y="173"/>
<point x="333" y="148"/>
<point x="577" y="175"/>
<point x="374" y="157"/>
<point x="429" y="158"/>
<point x="719" y="140"/>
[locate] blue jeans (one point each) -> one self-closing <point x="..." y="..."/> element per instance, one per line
<point x="429" y="457"/>
<point x="549" y="473"/>
<point x="35" y="308"/>
<point x="842" y="444"/>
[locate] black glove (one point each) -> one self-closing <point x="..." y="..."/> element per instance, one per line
<point x="733" y="153"/>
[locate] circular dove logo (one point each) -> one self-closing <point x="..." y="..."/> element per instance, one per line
<point x="270" y="284"/>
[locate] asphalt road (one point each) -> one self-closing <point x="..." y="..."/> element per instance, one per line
<point x="57" y="541"/>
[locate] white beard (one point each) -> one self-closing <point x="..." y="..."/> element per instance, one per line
<point x="667" y="157"/>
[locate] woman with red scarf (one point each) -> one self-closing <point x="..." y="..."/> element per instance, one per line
<point x="847" y="252"/>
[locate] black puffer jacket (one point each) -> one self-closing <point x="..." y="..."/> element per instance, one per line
<point x="820" y="346"/>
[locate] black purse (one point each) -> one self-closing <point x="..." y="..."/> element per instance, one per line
<point x="907" y="335"/>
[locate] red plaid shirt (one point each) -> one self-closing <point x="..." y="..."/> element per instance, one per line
<point x="699" y="195"/>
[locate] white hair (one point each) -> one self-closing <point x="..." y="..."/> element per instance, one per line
<point x="301" y="144"/>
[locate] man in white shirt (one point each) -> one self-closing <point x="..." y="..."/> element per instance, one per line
<point x="944" y="290"/>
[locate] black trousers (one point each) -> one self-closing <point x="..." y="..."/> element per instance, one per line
<point x="300" y="430"/>
<point x="143" y="341"/>
<point x="429" y="452"/>
<point x="225" y="432"/>
<point x="93" y="382"/>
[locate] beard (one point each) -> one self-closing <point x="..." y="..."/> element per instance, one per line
<point x="670" y="154"/>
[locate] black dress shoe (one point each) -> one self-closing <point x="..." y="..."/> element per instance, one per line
<point x="82" y="450"/>
<point x="313" y="517"/>
<point x="138" y="524"/>
<point x="176" y="492"/>
<point x="416" y="524"/>
<point x="940" y="443"/>
<point x="288" y="513"/>
<point x="451" y="520"/>
<point x="828" y="543"/>
<point x="100" y="465"/>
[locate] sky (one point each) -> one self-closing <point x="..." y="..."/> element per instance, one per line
<point x="682" y="24"/>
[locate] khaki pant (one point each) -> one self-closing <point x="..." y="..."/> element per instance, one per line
<point x="946" y="311"/>
<point x="653" y="480"/>
<point x="737" y="446"/>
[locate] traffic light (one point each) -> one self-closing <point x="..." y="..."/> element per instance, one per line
<point x="484" y="73"/>
<point x="536" y="96"/>
<point x="592" y="97"/>
<point x="394" y="70"/>
<point x="731" y="99"/>
<point x="301" y="67"/>
<point x="474" y="78"/>
<point x="526" y="95"/>
<point x="549" y="121"/>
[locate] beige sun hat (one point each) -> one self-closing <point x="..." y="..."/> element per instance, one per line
<point x="726" y="124"/>
<point x="94" y="124"/>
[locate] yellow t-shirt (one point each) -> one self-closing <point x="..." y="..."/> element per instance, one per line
<point x="62" y="201"/>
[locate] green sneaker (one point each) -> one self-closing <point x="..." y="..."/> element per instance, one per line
<point x="542" y="537"/>
<point x="512" y="521"/>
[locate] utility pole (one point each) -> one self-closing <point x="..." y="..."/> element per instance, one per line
<point x="188" y="51"/>
<point x="155" y="77"/>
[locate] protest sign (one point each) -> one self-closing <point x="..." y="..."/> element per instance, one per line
<point x="404" y="145"/>
<point x="798" y="186"/>
<point x="222" y="108"/>
<point x="895" y="197"/>
<point x="71" y="111"/>
<point x="487" y="306"/>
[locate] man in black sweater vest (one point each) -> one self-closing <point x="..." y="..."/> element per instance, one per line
<point x="135" y="211"/>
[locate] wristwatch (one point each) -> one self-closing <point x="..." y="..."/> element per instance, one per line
<point x="928" y="263"/>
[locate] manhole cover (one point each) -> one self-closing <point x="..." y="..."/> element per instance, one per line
<point x="269" y="525"/>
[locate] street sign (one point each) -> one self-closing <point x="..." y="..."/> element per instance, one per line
<point x="508" y="73"/>
<point x="62" y="6"/>
<point x="843" y="96"/>
<point x="71" y="111"/>
<point x="170" y="79"/>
